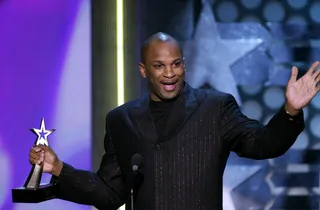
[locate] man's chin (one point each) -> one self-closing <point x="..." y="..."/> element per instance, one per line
<point x="169" y="96"/>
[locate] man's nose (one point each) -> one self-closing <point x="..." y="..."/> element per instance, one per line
<point x="169" y="72"/>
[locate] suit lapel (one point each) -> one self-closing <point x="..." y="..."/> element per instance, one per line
<point x="181" y="111"/>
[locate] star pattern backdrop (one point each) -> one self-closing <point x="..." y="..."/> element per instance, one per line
<point x="247" y="48"/>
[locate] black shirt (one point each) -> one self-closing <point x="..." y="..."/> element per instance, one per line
<point x="160" y="111"/>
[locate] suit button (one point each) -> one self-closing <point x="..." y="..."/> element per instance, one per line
<point x="158" y="147"/>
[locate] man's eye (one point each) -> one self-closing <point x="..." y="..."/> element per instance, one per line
<point x="178" y="64"/>
<point x="157" y="66"/>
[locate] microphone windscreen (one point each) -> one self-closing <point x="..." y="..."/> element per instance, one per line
<point x="136" y="160"/>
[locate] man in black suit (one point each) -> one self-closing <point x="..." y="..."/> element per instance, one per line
<point x="185" y="136"/>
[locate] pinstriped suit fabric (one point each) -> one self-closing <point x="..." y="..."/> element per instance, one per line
<point x="183" y="168"/>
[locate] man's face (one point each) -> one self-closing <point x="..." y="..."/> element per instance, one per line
<point x="164" y="68"/>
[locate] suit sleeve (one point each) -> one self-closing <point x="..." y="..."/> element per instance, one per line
<point x="251" y="139"/>
<point x="104" y="189"/>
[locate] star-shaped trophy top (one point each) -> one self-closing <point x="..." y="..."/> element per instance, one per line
<point x="42" y="134"/>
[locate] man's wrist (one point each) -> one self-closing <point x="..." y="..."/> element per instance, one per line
<point x="290" y="110"/>
<point x="57" y="168"/>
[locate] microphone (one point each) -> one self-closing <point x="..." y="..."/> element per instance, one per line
<point x="136" y="163"/>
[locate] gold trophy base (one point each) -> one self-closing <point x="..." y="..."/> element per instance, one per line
<point x="33" y="195"/>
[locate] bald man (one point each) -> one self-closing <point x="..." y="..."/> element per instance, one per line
<point x="184" y="135"/>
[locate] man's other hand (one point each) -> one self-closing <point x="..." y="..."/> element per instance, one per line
<point x="51" y="163"/>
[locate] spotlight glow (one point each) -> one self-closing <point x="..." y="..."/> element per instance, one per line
<point x="120" y="56"/>
<point x="120" y="59"/>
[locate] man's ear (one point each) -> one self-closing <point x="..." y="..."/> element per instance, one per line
<point x="142" y="69"/>
<point x="184" y="63"/>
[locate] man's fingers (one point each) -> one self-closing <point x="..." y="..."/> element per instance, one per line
<point x="36" y="158"/>
<point x="313" y="67"/>
<point x="43" y="147"/>
<point x="317" y="79"/>
<point x="39" y="148"/>
<point x="294" y="74"/>
<point x="35" y="161"/>
<point x="35" y="149"/>
<point x="316" y="75"/>
<point x="36" y="155"/>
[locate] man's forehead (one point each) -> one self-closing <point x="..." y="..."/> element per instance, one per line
<point x="163" y="48"/>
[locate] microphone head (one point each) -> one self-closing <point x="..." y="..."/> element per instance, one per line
<point x="136" y="161"/>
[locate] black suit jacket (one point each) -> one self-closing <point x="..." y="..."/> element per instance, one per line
<point x="183" y="168"/>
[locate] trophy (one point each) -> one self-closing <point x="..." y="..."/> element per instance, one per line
<point x="32" y="191"/>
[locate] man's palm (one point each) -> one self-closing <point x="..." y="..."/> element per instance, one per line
<point x="300" y="92"/>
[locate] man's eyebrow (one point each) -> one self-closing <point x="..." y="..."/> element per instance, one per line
<point x="176" y="60"/>
<point x="158" y="61"/>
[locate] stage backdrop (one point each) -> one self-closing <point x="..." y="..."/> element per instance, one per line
<point x="247" y="48"/>
<point x="44" y="72"/>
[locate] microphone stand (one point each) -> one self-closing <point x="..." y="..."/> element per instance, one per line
<point x="131" y="192"/>
<point x="135" y="172"/>
<point x="136" y="162"/>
